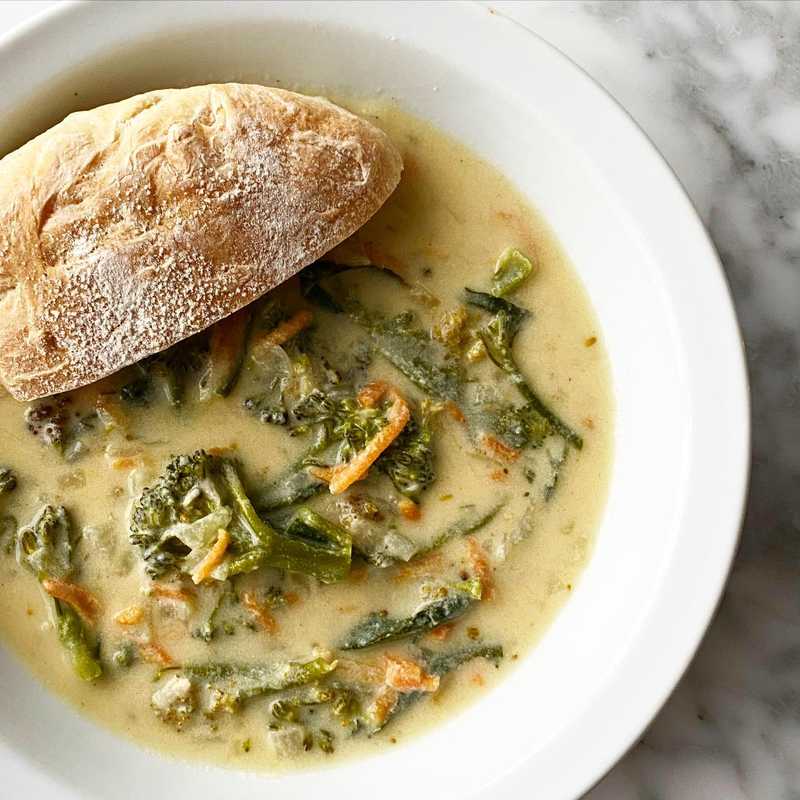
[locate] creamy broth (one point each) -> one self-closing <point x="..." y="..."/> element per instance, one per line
<point x="442" y="230"/>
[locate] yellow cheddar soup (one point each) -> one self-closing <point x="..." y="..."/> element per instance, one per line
<point x="337" y="516"/>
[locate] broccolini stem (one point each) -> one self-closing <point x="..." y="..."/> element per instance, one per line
<point x="262" y="532"/>
<point x="72" y="636"/>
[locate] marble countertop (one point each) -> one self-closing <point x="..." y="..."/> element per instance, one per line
<point x="716" y="85"/>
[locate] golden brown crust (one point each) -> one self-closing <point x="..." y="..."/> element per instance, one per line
<point x="129" y="227"/>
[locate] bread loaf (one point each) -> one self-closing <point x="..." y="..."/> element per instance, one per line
<point x="129" y="227"/>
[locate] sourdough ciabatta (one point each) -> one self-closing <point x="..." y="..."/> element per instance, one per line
<point x="129" y="227"/>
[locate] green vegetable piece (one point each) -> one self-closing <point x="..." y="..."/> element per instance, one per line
<point x="175" y="521"/>
<point x="45" y="545"/>
<point x="346" y="707"/>
<point x="312" y="276"/>
<point x="380" y="627"/>
<point x="470" y="522"/>
<point x="72" y="635"/>
<point x="408" y="461"/>
<point x="512" y="269"/>
<point x="398" y="339"/>
<point x="207" y="629"/>
<point x="260" y="533"/>
<point x="313" y="545"/>
<point x="410" y="349"/>
<point x="325" y="741"/>
<point x="171" y="368"/>
<point x="498" y="336"/>
<point x="47" y="420"/>
<point x="295" y="486"/>
<point x="288" y="709"/>
<point x="166" y="371"/>
<point x="536" y="410"/>
<point x="243" y="681"/>
<point x="124" y="655"/>
<point x="137" y="392"/>
<point x="442" y="663"/>
<point x="307" y="524"/>
<point x="186" y="492"/>
<point x="8" y="481"/>
<point x="207" y="485"/>
<point x="227" y="345"/>
<point x="169" y="378"/>
<point x="515" y="314"/>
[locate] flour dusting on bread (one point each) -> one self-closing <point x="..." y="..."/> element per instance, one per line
<point x="129" y="227"/>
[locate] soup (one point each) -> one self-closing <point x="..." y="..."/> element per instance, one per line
<point x="339" y="515"/>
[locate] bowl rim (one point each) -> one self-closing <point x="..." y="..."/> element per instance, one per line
<point x="616" y="142"/>
<point x="739" y="377"/>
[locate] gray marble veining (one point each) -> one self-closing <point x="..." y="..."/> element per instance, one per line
<point x="717" y="87"/>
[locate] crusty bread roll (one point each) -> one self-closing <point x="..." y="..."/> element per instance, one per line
<point x="129" y="227"/>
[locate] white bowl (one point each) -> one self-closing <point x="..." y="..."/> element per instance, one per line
<point x="670" y="529"/>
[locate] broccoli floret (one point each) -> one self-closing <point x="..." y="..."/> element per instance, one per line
<point x="409" y="460"/>
<point x="343" y="419"/>
<point x="47" y="421"/>
<point x="167" y="372"/>
<point x="267" y="408"/>
<point x="8" y="481"/>
<point x="45" y="546"/>
<point x="187" y="492"/>
<point x="177" y="520"/>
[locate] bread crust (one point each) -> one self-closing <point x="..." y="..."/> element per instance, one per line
<point x="129" y="227"/>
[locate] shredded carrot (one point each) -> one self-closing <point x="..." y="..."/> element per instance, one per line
<point x="405" y="676"/>
<point x="291" y="598"/>
<point x="455" y="412"/>
<point x="481" y="568"/>
<point x="155" y="654"/>
<point x="132" y="615"/>
<point x="286" y="330"/>
<point x="370" y="395"/>
<point x="322" y="473"/>
<point x="385" y="700"/>
<point x="82" y="600"/>
<point x="442" y="632"/>
<point x="161" y="592"/>
<point x="259" y="612"/>
<point x="409" y="509"/>
<point x="125" y="462"/>
<point x="424" y="565"/>
<point x="477" y="679"/>
<point x="344" y="475"/>
<point x="363" y="672"/>
<point x="495" y="448"/>
<point x="498" y="474"/>
<point x="213" y="558"/>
